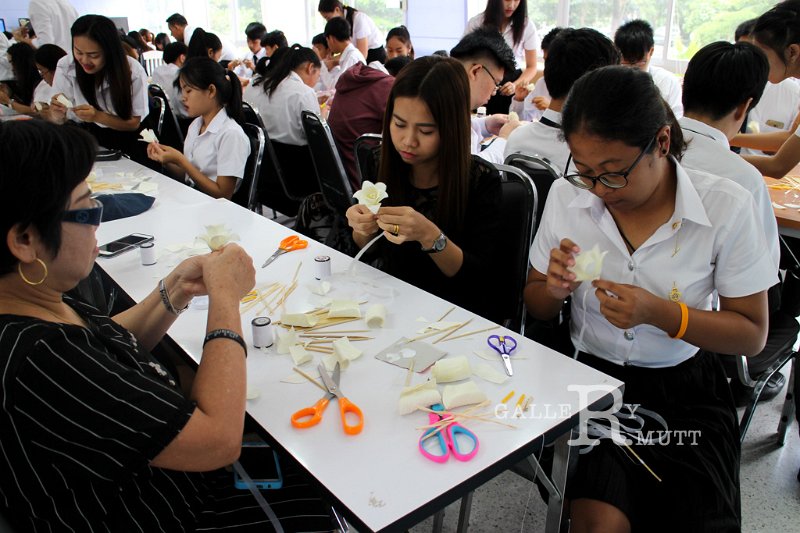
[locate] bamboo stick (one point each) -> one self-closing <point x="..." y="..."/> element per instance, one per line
<point x="473" y="333"/>
<point x="440" y="339"/>
<point x="309" y="378"/>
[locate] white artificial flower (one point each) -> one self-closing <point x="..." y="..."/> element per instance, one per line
<point x="371" y="195"/>
<point x="588" y="264"/>
<point x="148" y="136"/>
<point x="530" y="87"/>
<point x="753" y="127"/>
<point x="63" y="100"/>
<point x="217" y="236"/>
<point x="513" y="116"/>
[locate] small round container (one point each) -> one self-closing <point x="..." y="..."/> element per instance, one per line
<point x="322" y="264"/>
<point x="262" y="332"/>
<point x="147" y="253"/>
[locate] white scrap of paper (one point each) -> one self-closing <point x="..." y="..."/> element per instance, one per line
<point x="513" y="116"/>
<point x="343" y="349"/>
<point x="217" y="236"/>
<point x="252" y="393"/>
<point x="148" y="136"/>
<point x="371" y="195"/>
<point x="777" y="206"/>
<point x="589" y="264"/>
<point x="63" y="100"/>
<point x="376" y="316"/>
<point x="299" y="354"/>
<point x="286" y="339"/>
<point x="438" y="326"/>
<point x="322" y="288"/>
<point x="489" y="373"/>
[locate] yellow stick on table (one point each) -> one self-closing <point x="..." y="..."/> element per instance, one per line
<point x="521" y="399"/>
<point x="508" y="397"/>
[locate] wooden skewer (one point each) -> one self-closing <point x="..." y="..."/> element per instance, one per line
<point x="410" y="372"/>
<point x="430" y="334"/>
<point x="333" y="333"/>
<point x="440" y="339"/>
<point x="473" y="333"/>
<point x="319" y="349"/>
<point x="297" y="271"/>
<point x="338" y="321"/>
<point x="445" y="315"/>
<point x="641" y="462"/>
<point x="309" y="378"/>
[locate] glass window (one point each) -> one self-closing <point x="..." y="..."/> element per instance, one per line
<point x="229" y="18"/>
<point x="607" y="15"/>
<point x="386" y="14"/>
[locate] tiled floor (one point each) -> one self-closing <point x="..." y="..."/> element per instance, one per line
<point x="770" y="490"/>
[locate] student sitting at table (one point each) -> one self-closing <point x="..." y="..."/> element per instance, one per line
<point x="245" y="66"/>
<point x="96" y="433"/>
<point x="365" y="34"/>
<point x="216" y="148"/>
<point x="572" y="54"/>
<point x="204" y="44"/>
<point x="166" y="75"/>
<point x="531" y="104"/>
<point x="337" y="33"/>
<point x="320" y="46"/>
<point x="161" y="41"/>
<point x="285" y="91"/>
<point x="27" y="77"/>
<point x="272" y="41"/>
<point x="46" y="57"/>
<point x="674" y="237"/>
<point x="107" y="89"/>
<point x="441" y="221"/>
<point x="398" y="43"/>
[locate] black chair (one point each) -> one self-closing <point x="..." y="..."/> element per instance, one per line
<point x="367" y="154"/>
<point x="251" y="115"/>
<point x="155" y="119"/>
<point x="169" y="132"/>
<point x="333" y="182"/>
<point x="246" y="196"/>
<point x="543" y="174"/>
<point x="519" y="205"/>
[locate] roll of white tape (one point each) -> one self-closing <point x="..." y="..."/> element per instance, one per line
<point x="147" y="252"/>
<point x="262" y="332"/>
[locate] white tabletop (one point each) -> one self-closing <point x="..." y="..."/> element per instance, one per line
<point x="378" y="476"/>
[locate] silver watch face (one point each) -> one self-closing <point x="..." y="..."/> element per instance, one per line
<point x="440" y="243"/>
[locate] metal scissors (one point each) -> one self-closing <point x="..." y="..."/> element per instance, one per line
<point x="446" y="439"/>
<point x="289" y="244"/>
<point x="311" y="416"/>
<point x="504" y="345"/>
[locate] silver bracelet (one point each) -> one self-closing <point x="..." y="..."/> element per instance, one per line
<point x="162" y="289"/>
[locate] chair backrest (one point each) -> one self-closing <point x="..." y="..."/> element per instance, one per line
<point x="170" y="133"/>
<point x="251" y="115"/>
<point x="155" y="119"/>
<point x="367" y="153"/>
<point x="151" y="60"/>
<point x="519" y="205"/>
<point x="247" y="195"/>
<point x="332" y="178"/>
<point x="542" y="173"/>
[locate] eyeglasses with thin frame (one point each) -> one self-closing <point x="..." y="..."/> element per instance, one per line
<point x="496" y="84"/>
<point x="90" y="216"/>
<point x="612" y="180"/>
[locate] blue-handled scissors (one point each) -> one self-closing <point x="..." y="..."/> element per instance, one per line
<point x="504" y="345"/>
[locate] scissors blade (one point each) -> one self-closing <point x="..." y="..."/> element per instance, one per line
<point x="507" y="363"/>
<point x="331" y="383"/>
<point x="273" y="257"/>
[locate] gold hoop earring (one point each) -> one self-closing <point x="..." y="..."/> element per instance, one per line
<point x="29" y="282"/>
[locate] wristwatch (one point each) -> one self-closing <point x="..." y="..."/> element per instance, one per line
<point x="438" y="245"/>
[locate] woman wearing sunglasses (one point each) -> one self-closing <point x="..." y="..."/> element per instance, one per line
<point x="673" y="237"/>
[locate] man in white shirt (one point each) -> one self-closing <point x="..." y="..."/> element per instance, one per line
<point x="486" y="58"/>
<point x="245" y="66"/>
<point x="635" y="42"/>
<point x="571" y="54"/>
<point x="52" y="21"/>
<point x="337" y="33"/>
<point x="165" y="75"/>
<point x="179" y="28"/>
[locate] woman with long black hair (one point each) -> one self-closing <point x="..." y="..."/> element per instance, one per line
<point x="366" y="35"/>
<point x="26" y="75"/>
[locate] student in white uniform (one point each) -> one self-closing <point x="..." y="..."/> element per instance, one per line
<point x="216" y="148"/>
<point x="27" y="78"/>
<point x="337" y="33"/>
<point x="365" y="34"/>
<point x="673" y="238"/>
<point x="166" y="76"/>
<point x="636" y="44"/>
<point x="205" y="44"/>
<point x="486" y="58"/>
<point x="46" y="57"/>
<point x="245" y="66"/>
<point x="510" y="19"/>
<point x="52" y="20"/>
<point x="108" y="90"/>
<point x="572" y="54"/>
<point x="530" y="104"/>
<point x="398" y="43"/>
<point x="179" y="29"/>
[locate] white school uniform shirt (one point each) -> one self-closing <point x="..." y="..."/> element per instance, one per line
<point x="6" y="71"/>
<point x="228" y="50"/>
<point x="539" y="138"/>
<point x="52" y="20"/>
<point x="492" y="153"/>
<point x="244" y="72"/>
<point x="164" y="76"/>
<point x="720" y="246"/>
<point x="221" y="150"/>
<point x="365" y="28"/>
<point x="670" y="87"/>
<point x="526" y="109"/>
<point x="708" y="150"/>
<point x="349" y="57"/>
<point x="529" y="41"/>
<point x="281" y="109"/>
<point x="65" y="81"/>
<point x="43" y="93"/>
<point x="776" y="111"/>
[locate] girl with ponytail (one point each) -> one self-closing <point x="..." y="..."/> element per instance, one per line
<point x="216" y="148"/>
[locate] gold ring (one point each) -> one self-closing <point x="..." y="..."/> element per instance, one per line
<point x="396" y="231"/>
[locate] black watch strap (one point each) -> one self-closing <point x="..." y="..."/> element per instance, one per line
<point x="226" y="334"/>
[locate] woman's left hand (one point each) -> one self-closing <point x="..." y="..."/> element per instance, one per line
<point x="163" y="154"/>
<point x="625" y="306"/>
<point x="508" y="88"/>
<point x="404" y="224"/>
<point x="85" y="112"/>
<point x="187" y="280"/>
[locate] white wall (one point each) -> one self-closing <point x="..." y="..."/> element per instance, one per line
<point x="435" y="25"/>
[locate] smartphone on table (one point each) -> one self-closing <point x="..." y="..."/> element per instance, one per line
<point x="129" y="242"/>
<point x="261" y="463"/>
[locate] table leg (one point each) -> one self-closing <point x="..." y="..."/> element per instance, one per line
<point x="463" y="513"/>
<point x="555" y="506"/>
<point x="438" y="521"/>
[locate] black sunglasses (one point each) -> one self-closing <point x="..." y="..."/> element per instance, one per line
<point x="90" y="215"/>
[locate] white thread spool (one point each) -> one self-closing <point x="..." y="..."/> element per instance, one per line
<point x="147" y="253"/>
<point x="480" y="112"/>
<point x="262" y="332"/>
<point x="323" y="267"/>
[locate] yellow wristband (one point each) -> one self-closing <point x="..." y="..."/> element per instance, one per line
<point x="684" y="321"/>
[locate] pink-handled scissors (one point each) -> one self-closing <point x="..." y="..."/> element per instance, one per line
<point x="288" y="244"/>
<point x="442" y="445"/>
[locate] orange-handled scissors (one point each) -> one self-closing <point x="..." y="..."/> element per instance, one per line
<point x="311" y="416"/>
<point x="288" y="244"/>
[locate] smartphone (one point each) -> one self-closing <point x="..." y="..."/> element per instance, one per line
<point x="129" y="242"/>
<point x="261" y="463"/>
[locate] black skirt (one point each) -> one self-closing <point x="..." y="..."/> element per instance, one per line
<point x="696" y="457"/>
<point x="376" y="54"/>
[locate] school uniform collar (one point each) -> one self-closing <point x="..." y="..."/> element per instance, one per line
<point x="72" y="73"/>
<point x="688" y="205"/>
<point x="701" y="128"/>
<point x="551" y="118"/>
<point x="294" y="76"/>
<point x="217" y="122"/>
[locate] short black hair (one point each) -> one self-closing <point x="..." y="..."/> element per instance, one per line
<point x="745" y="29"/>
<point x="319" y="39"/>
<point x="275" y="38"/>
<point x="779" y="27"/>
<point x="338" y="28"/>
<point x="484" y="43"/>
<point x="42" y="164"/>
<point x="396" y="64"/>
<point x="48" y="55"/>
<point x="548" y="39"/>
<point x="721" y="76"/>
<point x="177" y="19"/>
<point x="255" y="31"/>
<point x="572" y="54"/>
<point x="634" y="39"/>
<point x="175" y="50"/>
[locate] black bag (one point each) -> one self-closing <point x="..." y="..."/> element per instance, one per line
<point x="319" y="222"/>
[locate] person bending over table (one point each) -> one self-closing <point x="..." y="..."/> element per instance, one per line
<point x="442" y="217"/>
<point x="95" y="433"/>
<point x="216" y="148"/>
<point x="674" y="236"/>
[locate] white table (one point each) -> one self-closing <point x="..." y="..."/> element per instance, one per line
<point x="378" y="478"/>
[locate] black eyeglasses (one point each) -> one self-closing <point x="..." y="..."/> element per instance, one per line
<point x="90" y="216"/>
<point x="496" y="84"/>
<point x="612" y="180"/>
